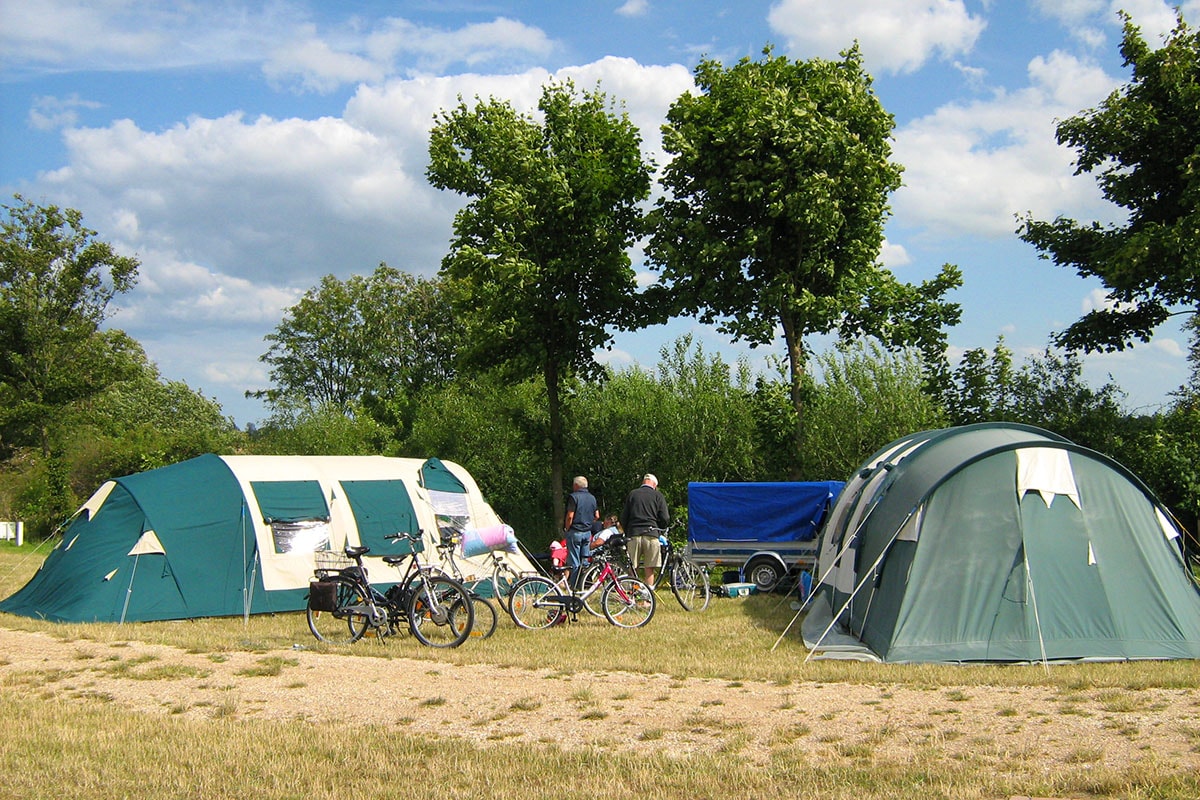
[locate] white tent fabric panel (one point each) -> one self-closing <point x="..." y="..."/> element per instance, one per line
<point x="148" y="544"/>
<point x="1047" y="471"/>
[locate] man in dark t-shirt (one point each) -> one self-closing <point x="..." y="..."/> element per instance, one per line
<point x="582" y="511"/>
<point x="645" y="508"/>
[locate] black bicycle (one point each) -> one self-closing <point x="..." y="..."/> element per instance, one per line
<point x="343" y="606"/>
<point x="687" y="579"/>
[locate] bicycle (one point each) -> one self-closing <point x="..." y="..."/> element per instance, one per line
<point x="486" y="617"/>
<point x="611" y="552"/>
<point x="343" y="605"/>
<point x="538" y="602"/>
<point x="687" y="579"/>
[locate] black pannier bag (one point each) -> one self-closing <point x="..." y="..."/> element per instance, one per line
<point x="322" y="595"/>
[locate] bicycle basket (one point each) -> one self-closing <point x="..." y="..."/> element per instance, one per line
<point x="322" y="595"/>
<point x="331" y="560"/>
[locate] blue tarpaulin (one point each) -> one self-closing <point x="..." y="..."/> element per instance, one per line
<point x="759" y="512"/>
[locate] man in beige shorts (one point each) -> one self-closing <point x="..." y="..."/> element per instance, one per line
<point x="645" y="509"/>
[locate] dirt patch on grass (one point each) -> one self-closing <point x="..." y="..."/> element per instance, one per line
<point x="487" y="704"/>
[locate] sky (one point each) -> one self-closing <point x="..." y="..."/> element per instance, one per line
<point x="243" y="150"/>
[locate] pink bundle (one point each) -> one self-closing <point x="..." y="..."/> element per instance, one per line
<point x="476" y="542"/>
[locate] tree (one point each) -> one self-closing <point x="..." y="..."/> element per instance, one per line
<point x="314" y="350"/>
<point x="981" y="387"/>
<point x="538" y="262"/>
<point x="366" y="343"/>
<point x="1143" y="146"/>
<point x="865" y="397"/>
<point x="689" y="420"/>
<point x="141" y="422"/>
<point x="777" y="199"/>
<point x="56" y="283"/>
<point x="495" y="428"/>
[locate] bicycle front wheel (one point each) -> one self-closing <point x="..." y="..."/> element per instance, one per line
<point x="689" y="584"/>
<point x="628" y="603"/>
<point x="440" y="612"/>
<point x="504" y="578"/>
<point x="349" y="618"/>
<point x="531" y="604"/>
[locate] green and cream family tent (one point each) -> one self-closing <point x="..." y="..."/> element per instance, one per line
<point x="1000" y="543"/>
<point x="237" y="535"/>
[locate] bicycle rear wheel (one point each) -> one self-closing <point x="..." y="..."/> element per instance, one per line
<point x="629" y="603"/>
<point x="348" y="620"/>
<point x="440" y="612"/>
<point x="529" y="606"/>
<point x="485" y="617"/>
<point x="689" y="584"/>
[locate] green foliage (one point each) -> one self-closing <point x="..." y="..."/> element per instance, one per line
<point x="865" y="398"/>
<point x="775" y="425"/>
<point x="778" y="197"/>
<point x="689" y="421"/>
<point x="980" y="388"/>
<point x="539" y="265"/>
<point x="140" y="422"/>
<point x="1143" y="146"/>
<point x="56" y="282"/>
<point x="327" y="430"/>
<point x="1047" y="391"/>
<point x="366" y="342"/>
<point x="497" y="430"/>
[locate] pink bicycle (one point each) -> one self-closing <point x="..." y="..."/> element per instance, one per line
<point x="539" y="602"/>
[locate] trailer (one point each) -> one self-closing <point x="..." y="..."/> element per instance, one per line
<point x="767" y="531"/>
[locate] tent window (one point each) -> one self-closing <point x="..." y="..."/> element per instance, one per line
<point x="297" y="514"/>
<point x="448" y="496"/>
<point x="437" y="477"/>
<point x="289" y="501"/>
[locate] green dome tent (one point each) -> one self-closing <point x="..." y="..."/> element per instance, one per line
<point x="999" y="543"/>
<point x="237" y="535"/>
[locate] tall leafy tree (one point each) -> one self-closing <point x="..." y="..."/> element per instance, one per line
<point x="56" y="282"/>
<point x="366" y="342"/>
<point x="777" y="200"/>
<point x="538" y="261"/>
<point x="315" y="349"/>
<point x="1143" y="146"/>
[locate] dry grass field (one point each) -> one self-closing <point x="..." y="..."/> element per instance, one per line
<point x="692" y="705"/>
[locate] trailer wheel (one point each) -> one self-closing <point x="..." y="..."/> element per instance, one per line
<point x="764" y="572"/>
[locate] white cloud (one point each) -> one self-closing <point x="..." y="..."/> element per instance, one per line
<point x="50" y="113"/>
<point x="971" y="167"/>
<point x="123" y="35"/>
<point x="893" y="255"/>
<point x="130" y="35"/>
<point x="634" y="8"/>
<point x="233" y="217"/>
<point x="398" y="47"/>
<point x="894" y="35"/>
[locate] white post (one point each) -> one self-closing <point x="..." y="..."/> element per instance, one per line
<point x="20" y="532"/>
